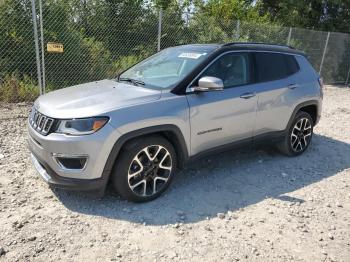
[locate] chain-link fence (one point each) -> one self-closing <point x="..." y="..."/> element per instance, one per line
<point x="82" y="41"/>
<point x="18" y="68"/>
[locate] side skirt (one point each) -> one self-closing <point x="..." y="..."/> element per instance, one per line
<point x="268" y="139"/>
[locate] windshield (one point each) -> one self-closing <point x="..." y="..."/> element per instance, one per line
<point x="164" y="69"/>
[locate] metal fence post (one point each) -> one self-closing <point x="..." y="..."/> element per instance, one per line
<point x="35" y="28"/>
<point x="238" y="28"/>
<point x="289" y="35"/>
<point x="160" y="27"/>
<point x="324" y="53"/>
<point x="42" y="44"/>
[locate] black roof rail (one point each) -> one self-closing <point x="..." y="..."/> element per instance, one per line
<point x="257" y="43"/>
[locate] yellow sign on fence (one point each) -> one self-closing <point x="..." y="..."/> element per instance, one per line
<point x="54" y="47"/>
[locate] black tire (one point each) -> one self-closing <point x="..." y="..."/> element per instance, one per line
<point x="120" y="174"/>
<point x="287" y="146"/>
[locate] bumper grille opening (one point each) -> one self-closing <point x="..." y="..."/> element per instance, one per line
<point x="40" y="122"/>
<point x="75" y="163"/>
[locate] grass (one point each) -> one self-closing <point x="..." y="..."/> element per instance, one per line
<point x="13" y="89"/>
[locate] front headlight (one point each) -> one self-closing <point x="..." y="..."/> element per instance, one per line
<point x="82" y="126"/>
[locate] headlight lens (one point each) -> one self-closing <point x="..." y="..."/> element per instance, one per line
<point x="83" y="126"/>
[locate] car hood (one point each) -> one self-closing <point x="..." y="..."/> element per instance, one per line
<point x="93" y="99"/>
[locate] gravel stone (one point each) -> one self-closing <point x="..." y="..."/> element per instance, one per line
<point x="240" y="205"/>
<point x="32" y="238"/>
<point x="221" y="215"/>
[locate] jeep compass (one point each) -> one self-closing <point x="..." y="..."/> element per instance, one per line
<point x="135" y="131"/>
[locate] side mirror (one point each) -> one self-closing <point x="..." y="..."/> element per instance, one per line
<point x="209" y="83"/>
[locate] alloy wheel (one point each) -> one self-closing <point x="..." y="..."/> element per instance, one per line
<point x="149" y="170"/>
<point x="301" y="135"/>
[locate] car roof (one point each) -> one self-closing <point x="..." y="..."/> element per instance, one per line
<point x="244" y="46"/>
<point x="263" y="47"/>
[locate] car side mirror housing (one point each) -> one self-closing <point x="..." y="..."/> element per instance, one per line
<point x="209" y="83"/>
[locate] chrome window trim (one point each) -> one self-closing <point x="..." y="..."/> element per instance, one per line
<point x="189" y="89"/>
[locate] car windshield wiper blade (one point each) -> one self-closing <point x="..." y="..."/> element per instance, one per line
<point x="131" y="80"/>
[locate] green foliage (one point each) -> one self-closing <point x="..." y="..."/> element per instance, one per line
<point x="171" y="4"/>
<point x="84" y="59"/>
<point x="14" y="89"/>
<point x="264" y="33"/>
<point x="229" y="10"/>
<point x="99" y="59"/>
<point x="164" y="4"/>
<point x="17" y="51"/>
<point x="216" y="22"/>
<point x="101" y="38"/>
<point x="211" y="30"/>
<point x="327" y="15"/>
<point x="125" y="62"/>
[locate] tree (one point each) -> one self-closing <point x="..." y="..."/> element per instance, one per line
<point x="216" y="21"/>
<point x="228" y="10"/>
<point x="84" y="58"/>
<point x="17" y="52"/>
<point x="327" y="15"/>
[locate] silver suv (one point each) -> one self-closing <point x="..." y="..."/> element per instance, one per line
<point x="135" y="131"/>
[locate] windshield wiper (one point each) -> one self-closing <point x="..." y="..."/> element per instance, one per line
<point x="131" y="80"/>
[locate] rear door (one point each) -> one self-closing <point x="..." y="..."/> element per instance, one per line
<point x="277" y="90"/>
<point x="222" y="117"/>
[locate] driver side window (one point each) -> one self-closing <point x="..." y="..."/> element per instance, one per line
<point x="233" y="69"/>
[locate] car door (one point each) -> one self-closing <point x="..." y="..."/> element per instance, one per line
<point x="228" y="115"/>
<point x="277" y="89"/>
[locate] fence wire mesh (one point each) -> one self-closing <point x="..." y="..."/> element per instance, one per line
<point x="102" y="38"/>
<point x="18" y="71"/>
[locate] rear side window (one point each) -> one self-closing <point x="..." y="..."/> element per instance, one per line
<point x="292" y="64"/>
<point x="274" y="66"/>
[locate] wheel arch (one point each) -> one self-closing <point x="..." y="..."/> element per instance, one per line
<point x="311" y="110"/>
<point x="310" y="107"/>
<point x="170" y="132"/>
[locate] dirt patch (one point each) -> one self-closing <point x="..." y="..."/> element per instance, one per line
<point x="247" y="206"/>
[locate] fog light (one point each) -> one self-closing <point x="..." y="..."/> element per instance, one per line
<point x="71" y="162"/>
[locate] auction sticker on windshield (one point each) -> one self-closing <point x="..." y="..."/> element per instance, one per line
<point x="191" y="55"/>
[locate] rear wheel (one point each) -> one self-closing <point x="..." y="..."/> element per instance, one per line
<point x="144" y="168"/>
<point x="299" y="135"/>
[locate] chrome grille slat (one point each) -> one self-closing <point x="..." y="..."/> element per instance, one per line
<point x="40" y="122"/>
<point x="44" y="124"/>
<point x="48" y="125"/>
<point x="41" y="119"/>
<point x="36" y="116"/>
<point x="38" y="119"/>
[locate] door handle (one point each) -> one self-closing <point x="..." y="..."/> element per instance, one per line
<point x="293" y="86"/>
<point x="247" y="95"/>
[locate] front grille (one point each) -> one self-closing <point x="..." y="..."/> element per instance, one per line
<point x="40" y="122"/>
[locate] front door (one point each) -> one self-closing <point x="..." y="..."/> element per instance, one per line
<point x="222" y="117"/>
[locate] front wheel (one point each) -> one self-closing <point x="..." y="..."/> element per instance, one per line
<point x="299" y="135"/>
<point x="144" y="169"/>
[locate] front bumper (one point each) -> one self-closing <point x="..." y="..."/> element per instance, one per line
<point x="50" y="177"/>
<point x="96" y="147"/>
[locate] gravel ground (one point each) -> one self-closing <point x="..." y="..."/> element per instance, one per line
<point x="246" y="205"/>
